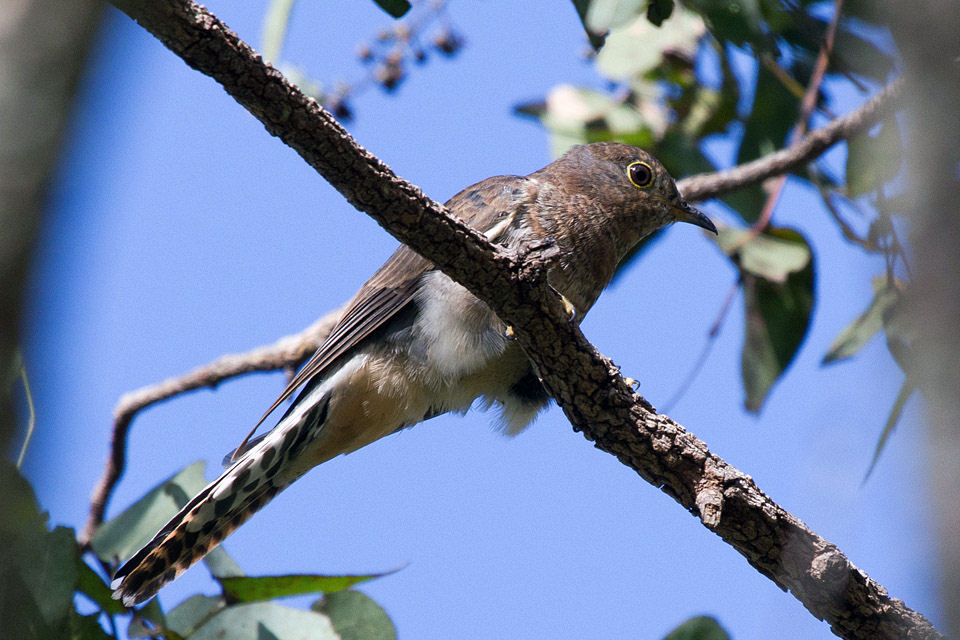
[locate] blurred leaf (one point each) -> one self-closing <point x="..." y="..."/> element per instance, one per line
<point x="873" y="160"/>
<point x="193" y="612"/>
<point x="604" y="15"/>
<point x="698" y="628"/>
<point x="395" y="8"/>
<point x="250" y="589"/>
<point x="260" y="620"/>
<point x="576" y="116"/>
<point x="355" y="616"/>
<point x="91" y="585"/>
<point x="777" y="318"/>
<point x="659" y="10"/>
<point x="772" y="255"/>
<point x="596" y="37"/>
<point x="19" y="511"/>
<point x="857" y="333"/>
<point x="637" y="47"/>
<point x="905" y="392"/>
<point x="772" y="116"/>
<point x="147" y="620"/>
<point x="855" y="54"/>
<point x="739" y="22"/>
<point x="125" y="534"/>
<point x="51" y="574"/>
<point x="747" y="203"/>
<point x="86" y="627"/>
<point x="39" y="568"/>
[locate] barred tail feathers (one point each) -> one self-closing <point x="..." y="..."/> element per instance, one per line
<point x="218" y="509"/>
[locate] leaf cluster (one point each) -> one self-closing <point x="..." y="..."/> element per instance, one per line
<point x="682" y="76"/>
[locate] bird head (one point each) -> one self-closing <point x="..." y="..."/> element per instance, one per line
<point x="628" y="184"/>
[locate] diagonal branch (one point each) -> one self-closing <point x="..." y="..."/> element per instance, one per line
<point x="586" y="385"/>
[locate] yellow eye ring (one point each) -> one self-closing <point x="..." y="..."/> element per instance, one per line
<point x="640" y="174"/>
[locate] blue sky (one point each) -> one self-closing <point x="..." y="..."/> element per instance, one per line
<point x="180" y="231"/>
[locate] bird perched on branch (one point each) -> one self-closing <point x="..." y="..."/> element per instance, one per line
<point x="413" y="343"/>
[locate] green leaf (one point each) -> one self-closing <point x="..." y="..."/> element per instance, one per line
<point x="604" y="15"/>
<point x="772" y="255"/>
<point x="905" y="392"/>
<point x="38" y="567"/>
<point x="736" y="21"/>
<point x="91" y="585"/>
<point x="395" y="8"/>
<point x="147" y="620"/>
<point x="772" y="116"/>
<point x="192" y="613"/>
<point x="86" y="627"/>
<point x="637" y="47"/>
<point x="886" y="293"/>
<point x="250" y="589"/>
<point x="355" y="616"/>
<point x="52" y="574"/>
<point x="777" y="319"/>
<point x="577" y="116"/>
<point x="221" y="564"/>
<point x="125" y="534"/>
<point x="699" y="628"/>
<point x="873" y="160"/>
<point x="262" y="620"/>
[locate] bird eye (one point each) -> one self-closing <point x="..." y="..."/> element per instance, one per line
<point x="640" y="174"/>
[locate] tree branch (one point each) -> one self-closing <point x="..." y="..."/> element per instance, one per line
<point x="585" y="384"/>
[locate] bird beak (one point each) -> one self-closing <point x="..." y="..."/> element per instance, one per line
<point x="686" y="213"/>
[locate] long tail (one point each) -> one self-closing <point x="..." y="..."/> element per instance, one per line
<point x="218" y="509"/>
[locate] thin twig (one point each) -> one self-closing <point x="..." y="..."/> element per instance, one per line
<point x="287" y="352"/>
<point x="31" y="411"/>
<point x="712" y="185"/>
<point x="808" y="103"/>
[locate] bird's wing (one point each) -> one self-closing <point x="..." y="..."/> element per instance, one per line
<point x="488" y="207"/>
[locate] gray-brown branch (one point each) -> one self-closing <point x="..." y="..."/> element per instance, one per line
<point x="586" y="385"/>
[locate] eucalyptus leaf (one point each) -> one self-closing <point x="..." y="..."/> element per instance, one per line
<point x="777" y="319"/>
<point x="52" y="574"/>
<point x="577" y="116"/>
<point x="739" y="22"/>
<point x="886" y="293"/>
<point x="260" y="620"/>
<point x="355" y="616"/>
<point x="873" y="160"/>
<point x="906" y="391"/>
<point x="699" y="628"/>
<point x="395" y="8"/>
<point x="86" y="627"/>
<point x="604" y="15"/>
<point x="250" y="588"/>
<point x="771" y="117"/>
<point x="90" y="584"/>
<point x="125" y="534"/>
<point x="772" y="255"/>
<point x="192" y="613"/>
<point x="638" y="46"/>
